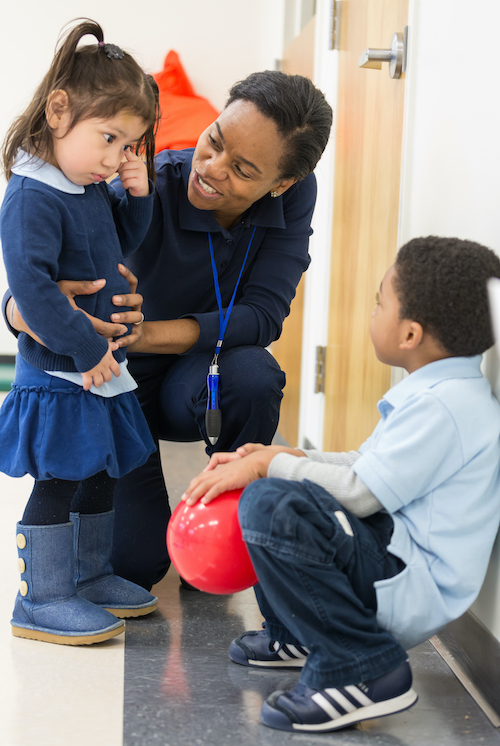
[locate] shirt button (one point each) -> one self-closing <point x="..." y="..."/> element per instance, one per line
<point x="229" y="241"/>
<point x="223" y="264"/>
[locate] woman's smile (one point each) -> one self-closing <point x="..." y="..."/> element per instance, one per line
<point x="207" y="188"/>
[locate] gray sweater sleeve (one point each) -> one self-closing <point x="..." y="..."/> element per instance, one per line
<point x="333" y="472"/>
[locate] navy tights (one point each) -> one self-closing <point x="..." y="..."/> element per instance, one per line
<point x="52" y="500"/>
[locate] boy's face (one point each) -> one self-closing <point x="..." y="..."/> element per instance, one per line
<point x="386" y="329"/>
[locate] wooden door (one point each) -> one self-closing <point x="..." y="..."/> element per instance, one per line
<point x="365" y="218"/>
<point x="298" y="59"/>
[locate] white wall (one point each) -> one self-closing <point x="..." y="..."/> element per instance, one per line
<point x="451" y="155"/>
<point x="219" y="42"/>
<point x="317" y="281"/>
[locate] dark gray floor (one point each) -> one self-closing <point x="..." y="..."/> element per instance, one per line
<point x="182" y="690"/>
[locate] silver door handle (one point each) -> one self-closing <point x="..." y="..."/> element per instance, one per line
<point x="395" y="56"/>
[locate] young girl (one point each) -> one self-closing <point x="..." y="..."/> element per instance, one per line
<point x="72" y="420"/>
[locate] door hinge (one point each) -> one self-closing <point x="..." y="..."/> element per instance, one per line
<point x="335" y="24"/>
<point x="319" y="387"/>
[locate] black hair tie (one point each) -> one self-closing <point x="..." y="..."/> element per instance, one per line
<point x="112" y="51"/>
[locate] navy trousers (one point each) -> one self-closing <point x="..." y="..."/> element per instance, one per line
<point x="173" y="396"/>
<point x="317" y="564"/>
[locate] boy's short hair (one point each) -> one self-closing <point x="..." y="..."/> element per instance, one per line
<point x="442" y="284"/>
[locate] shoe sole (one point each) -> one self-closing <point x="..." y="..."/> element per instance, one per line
<point x="237" y="655"/>
<point x="33" y="634"/>
<point x="277" y="719"/>
<point x="130" y="613"/>
<point x="276" y="664"/>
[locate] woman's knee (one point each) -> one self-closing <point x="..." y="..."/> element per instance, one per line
<point x="254" y="369"/>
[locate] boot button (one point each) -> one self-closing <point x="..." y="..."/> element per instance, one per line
<point x="23" y="588"/>
<point x="21" y="565"/>
<point x="21" y="541"/>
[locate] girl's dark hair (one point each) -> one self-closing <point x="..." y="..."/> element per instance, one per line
<point x="442" y="284"/>
<point x="98" y="86"/>
<point x="299" y="110"/>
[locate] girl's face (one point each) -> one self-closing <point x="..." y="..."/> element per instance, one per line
<point x="236" y="163"/>
<point x="93" y="149"/>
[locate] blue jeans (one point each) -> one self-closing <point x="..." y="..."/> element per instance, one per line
<point x="316" y="565"/>
<point x="173" y="396"/>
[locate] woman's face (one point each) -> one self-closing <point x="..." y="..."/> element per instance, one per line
<point x="236" y="163"/>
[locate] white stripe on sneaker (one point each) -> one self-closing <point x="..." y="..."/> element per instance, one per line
<point x="287" y="652"/>
<point x="338" y="697"/>
<point x="355" y="692"/>
<point x="326" y="705"/>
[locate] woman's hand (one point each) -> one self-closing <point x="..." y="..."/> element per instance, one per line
<point x="73" y="288"/>
<point x="135" y="316"/>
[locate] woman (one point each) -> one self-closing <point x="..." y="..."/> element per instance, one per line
<point x="232" y="217"/>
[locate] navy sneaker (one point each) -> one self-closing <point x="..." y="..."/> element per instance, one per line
<point x="257" y="649"/>
<point x="318" y="710"/>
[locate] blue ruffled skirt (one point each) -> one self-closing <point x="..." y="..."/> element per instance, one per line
<point x="53" y="429"/>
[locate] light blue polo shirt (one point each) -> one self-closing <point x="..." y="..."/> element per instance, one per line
<point x="433" y="462"/>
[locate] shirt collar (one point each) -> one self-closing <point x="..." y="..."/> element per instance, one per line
<point x="266" y="212"/>
<point x="39" y="170"/>
<point x="430" y="375"/>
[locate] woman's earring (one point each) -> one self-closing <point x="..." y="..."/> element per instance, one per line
<point x="274" y="194"/>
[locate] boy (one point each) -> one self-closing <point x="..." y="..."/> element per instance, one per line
<point x="362" y="555"/>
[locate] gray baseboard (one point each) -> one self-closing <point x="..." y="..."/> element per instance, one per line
<point x="473" y="654"/>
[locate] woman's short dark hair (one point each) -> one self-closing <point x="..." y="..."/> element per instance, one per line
<point x="442" y="284"/>
<point x="299" y="110"/>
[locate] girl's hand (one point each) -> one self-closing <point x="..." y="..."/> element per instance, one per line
<point x="134" y="175"/>
<point x="235" y="473"/>
<point x="103" y="371"/>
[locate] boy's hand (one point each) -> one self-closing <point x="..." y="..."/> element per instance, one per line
<point x="103" y="371"/>
<point x="134" y="175"/>
<point x="235" y="473"/>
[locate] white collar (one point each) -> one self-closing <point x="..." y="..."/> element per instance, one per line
<point x="39" y="170"/>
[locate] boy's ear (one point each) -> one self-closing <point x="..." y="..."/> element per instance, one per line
<point x="57" y="110"/>
<point x="413" y="334"/>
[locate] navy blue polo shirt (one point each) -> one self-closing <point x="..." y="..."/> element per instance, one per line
<point x="174" y="268"/>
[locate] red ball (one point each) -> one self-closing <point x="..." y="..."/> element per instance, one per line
<point x="206" y="546"/>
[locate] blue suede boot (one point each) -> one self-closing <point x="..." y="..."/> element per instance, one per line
<point x="47" y="607"/>
<point x="94" y="575"/>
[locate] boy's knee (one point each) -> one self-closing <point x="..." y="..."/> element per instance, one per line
<point x="258" y="503"/>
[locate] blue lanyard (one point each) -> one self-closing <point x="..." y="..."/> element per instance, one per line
<point x="213" y="416"/>
<point x="223" y="319"/>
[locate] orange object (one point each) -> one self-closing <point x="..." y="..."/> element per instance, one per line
<point x="184" y="115"/>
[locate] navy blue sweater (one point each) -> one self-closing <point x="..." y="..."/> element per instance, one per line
<point x="49" y="235"/>
<point x="174" y="270"/>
